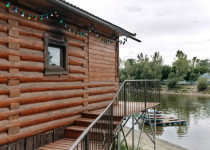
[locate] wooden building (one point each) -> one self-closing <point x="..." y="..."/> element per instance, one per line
<point x="57" y="61"/>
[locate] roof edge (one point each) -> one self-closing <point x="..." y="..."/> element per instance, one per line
<point x="93" y="18"/>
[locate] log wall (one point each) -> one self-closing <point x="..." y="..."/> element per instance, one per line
<point x="32" y="103"/>
<point x="102" y="60"/>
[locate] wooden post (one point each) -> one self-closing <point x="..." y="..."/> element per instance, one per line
<point x="12" y="82"/>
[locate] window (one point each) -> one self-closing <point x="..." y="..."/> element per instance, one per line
<point x="55" y="55"/>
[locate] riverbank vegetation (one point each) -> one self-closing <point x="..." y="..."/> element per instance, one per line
<point x="145" y="67"/>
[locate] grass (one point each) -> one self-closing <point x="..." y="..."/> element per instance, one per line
<point x="204" y="92"/>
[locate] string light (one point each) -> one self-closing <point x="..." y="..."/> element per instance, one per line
<point x="35" y="17"/>
<point x="7" y="5"/>
<point x="55" y="11"/>
<point x="22" y="13"/>
<point x="90" y="29"/>
<point x="15" y="9"/>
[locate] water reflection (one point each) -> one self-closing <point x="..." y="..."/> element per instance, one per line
<point x="194" y="109"/>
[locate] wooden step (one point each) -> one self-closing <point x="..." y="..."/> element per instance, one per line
<point x="94" y="115"/>
<point x="74" y="131"/>
<point x="89" y="115"/>
<point x="85" y="122"/>
<point x="63" y="144"/>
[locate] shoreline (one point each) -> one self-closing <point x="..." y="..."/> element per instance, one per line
<point x="146" y="144"/>
<point x="197" y="94"/>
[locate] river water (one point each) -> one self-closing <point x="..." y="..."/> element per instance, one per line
<point x="195" y="135"/>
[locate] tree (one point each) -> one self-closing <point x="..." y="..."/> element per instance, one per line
<point x="180" y="68"/>
<point x="165" y="71"/>
<point x="182" y="65"/>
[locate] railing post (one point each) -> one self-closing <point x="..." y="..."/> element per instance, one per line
<point x="154" y="128"/>
<point x="111" y="124"/>
<point x="118" y="139"/>
<point x="87" y="141"/>
<point x="145" y="94"/>
<point x="125" y="99"/>
<point x="133" y="132"/>
<point x="159" y="91"/>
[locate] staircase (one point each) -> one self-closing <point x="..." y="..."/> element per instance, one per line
<point x="95" y="130"/>
<point x="73" y="132"/>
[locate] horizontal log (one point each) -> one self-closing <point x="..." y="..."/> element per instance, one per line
<point x="100" y="44"/>
<point x="102" y="70"/>
<point x="93" y="37"/>
<point x="25" y="42"/>
<point x="102" y="79"/>
<point x="77" y="52"/>
<point x="51" y="86"/>
<point x="101" y="54"/>
<point x="98" y="74"/>
<point x="34" y="77"/>
<point x="77" y="69"/>
<point x="51" y="110"/>
<point x="77" y="61"/>
<point x="91" y="46"/>
<point x="24" y="31"/>
<point x="37" y="129"/>
<point x="40" y="25"/>
<point x="99" y="61"/>
<point x="77" y="43"/>
<point x="27" y="98"/>
<point x="94" y="65"/>
<point x="78" y="76"/>
<point x="94" y="56"/>
<point x="24" y="121"/>
<point x="33" y="55"/>
<point x="22" y="65"/>
<point x="25" y="54"/>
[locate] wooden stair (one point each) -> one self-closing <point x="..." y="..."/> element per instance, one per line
<point x="73" y="132"/>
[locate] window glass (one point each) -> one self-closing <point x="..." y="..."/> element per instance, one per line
<point x="54" y="55"/>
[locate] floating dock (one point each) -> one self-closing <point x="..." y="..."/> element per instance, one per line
<point x="168" y="121"/>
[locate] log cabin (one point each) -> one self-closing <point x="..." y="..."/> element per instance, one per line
<point x="57" y="62"/>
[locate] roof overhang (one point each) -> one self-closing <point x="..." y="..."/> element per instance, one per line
<point x="91" y="17"/>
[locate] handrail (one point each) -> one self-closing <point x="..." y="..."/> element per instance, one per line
<point x="82" y="136"/>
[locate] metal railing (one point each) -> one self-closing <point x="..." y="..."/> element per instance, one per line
<point x="132" y="97"/>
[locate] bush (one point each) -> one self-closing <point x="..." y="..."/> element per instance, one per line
<point x="202" y="84"/>
<point x="171" y="83"/>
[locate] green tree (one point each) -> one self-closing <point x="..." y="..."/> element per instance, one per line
<point x="181" y="64"/>
<point x="165" y="71"/>
<point x="180" y="68"/>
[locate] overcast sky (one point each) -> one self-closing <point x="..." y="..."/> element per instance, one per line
<point x="161" y="25"/>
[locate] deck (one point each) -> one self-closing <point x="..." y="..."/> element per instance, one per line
<point x="73" y="132"/>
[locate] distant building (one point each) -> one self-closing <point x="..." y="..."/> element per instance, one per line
<point x="206" y="75"/>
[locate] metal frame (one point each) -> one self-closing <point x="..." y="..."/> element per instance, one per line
<point x="153" y="138"/>
<point x="108" y="114"/>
